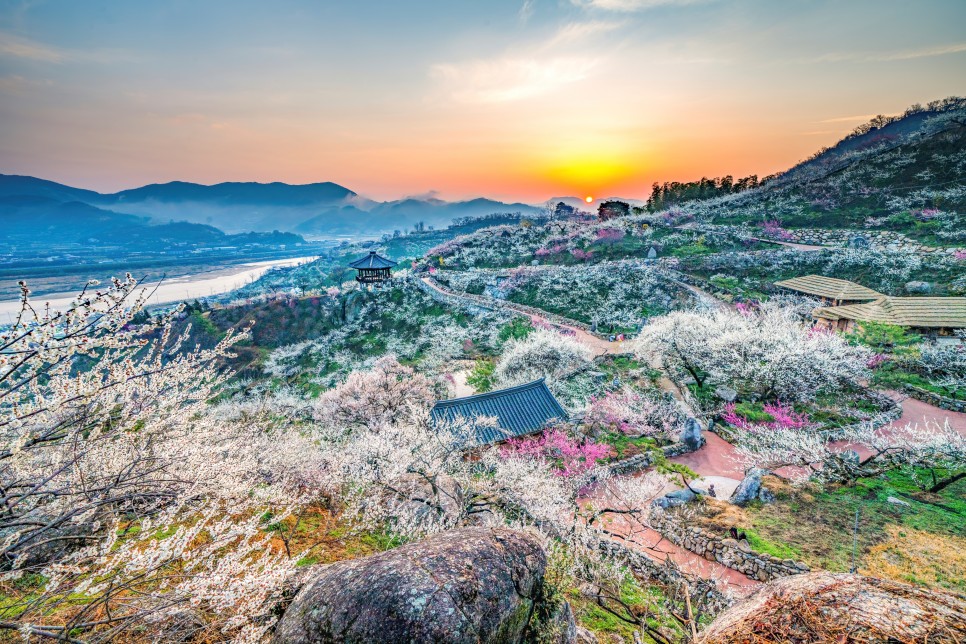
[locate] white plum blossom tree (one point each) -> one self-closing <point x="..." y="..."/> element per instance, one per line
<point x="542" y="354"/>
<point x="768" y="353"/>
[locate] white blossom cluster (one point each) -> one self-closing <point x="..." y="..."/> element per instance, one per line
<point x="767" y="353"/>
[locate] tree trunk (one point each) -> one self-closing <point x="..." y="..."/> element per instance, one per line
<point x="942" y="485"/>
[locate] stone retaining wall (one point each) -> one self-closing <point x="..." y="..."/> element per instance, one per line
<point x="890" y="411"/>
<point x="640" y="462"/>
<point x="936" y="400"/>
<point x="726" y="551"/>
<point x="442" y="294"/>
<point x="875" y="239"/>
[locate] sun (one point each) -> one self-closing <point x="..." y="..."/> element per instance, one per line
<point x="588" y="199"/>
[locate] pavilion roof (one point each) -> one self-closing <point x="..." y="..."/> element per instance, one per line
<point x="373" y="260"/>
<point x="936" y="312"/>
<point x="830" y="287"/>
<point x="518" y="411"/>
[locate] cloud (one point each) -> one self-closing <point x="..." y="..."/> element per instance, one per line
<point x="12" y="46"/>
<point x="540" y="69"/>
<point x="526" y="10"/>
<point x="848" y="119"/>
<point x="628" y="6"/>
<point x="576" y="31"/>
<point x="883" y="57"/>
<point x="511" y="79"/>
<point x="17" y="47"/>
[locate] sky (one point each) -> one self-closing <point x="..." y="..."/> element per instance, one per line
<point x="510" y="99"/>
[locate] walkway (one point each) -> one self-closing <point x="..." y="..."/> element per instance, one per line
<point x="597" y="344"/>
<point x="718" y="457"/>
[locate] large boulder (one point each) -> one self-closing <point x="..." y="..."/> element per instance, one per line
<point x="749" y="488"/>
<point x="675" y="498"/>
<point x="840" y="607"/>
<point x="691" y="434"/>
<point x="468" y="585"/>
<point x="918" y="287"/>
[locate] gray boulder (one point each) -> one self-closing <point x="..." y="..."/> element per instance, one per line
<point x="468" y="585"/>
<point x="691" y="434"/>
<point x="726" y="394"/>
<point x="749" y="488"/>
<point x="858" y="242"/>
<point x="675" y="498"/>
<point x="918" y="287"/>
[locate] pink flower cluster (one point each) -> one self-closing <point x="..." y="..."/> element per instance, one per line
<point x="783" y="417"/>
<point x="960" y="254"/>
<point x="569" y="456"/>
<point x="774" y="228"/>
<point x="876" y="360"/>
<point x="582" y="255"/>
<point x="609" y="235"/>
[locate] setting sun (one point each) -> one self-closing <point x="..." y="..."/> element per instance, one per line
<point x="588" y="199"/>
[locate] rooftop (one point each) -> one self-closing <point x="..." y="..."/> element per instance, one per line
<point x="936" y="312"/>
<point x="829" y="287"/>
<point x="373" y="260"/>
<point x="519" y="410"/>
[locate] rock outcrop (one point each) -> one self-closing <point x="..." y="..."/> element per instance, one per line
<point x="468" y="585"/>
<point x="750" y="487"/>
<point x="830" y="607"/>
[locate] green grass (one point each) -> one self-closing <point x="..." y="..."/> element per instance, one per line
<point x="818" y="527"/>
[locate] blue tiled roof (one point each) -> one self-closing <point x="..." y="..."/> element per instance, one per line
<point x="373" y="260"/>
<point x="519" y="410"/>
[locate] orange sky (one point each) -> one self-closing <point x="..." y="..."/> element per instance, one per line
<point x="509" y="99"/>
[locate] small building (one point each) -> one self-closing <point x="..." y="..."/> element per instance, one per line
<point x="517" y="411"/>
<point x="935" y="317"/>
<point x="373" y="269"/>
<point x="832" y="291"/>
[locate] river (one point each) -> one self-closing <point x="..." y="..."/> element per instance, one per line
<point x="185" y="287"/>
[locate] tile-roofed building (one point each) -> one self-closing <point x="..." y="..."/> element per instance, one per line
<point x="518" y="411"/>
<point x="372" y="268"/>
<point x="928" y="315"/>
<point x="831" y="290"/>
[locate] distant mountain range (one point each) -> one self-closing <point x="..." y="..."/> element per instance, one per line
<point x="316" y="209"/>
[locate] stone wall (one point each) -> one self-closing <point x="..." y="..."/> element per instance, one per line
<point x="442" y="294"/>
<point x="726" y="551"/>
<point x="936" y="400"/>
<point x="640" y="462"/>
<point x="889" y="410"/>
<point x="836" y="237"/>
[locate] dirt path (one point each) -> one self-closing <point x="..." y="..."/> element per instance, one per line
<point x="654" y="546"/>
<point x="718" y="457"/>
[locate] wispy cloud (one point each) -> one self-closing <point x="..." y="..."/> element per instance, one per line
<point x="526" y="10"/>
<point x="848" y="119"/>
<point x="577" y="31"/>
<point x="511" y="79"/>
<point x="13" y="46"/>
<point x="18" y="47"/>
<point x="540" y="69"/>
<point x="629" y="6"/>
<point x="883" y="57"/>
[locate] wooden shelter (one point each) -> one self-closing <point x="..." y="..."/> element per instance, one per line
<point x="373" y="269"/>
<point x="930" y="316"/>
<point x="832" y="291"/>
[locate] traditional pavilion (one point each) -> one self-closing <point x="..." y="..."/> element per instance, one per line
<point x="497" y="416"/>
<point x="933" y="317"/>
<point x="373" y="269"/>
<point x="832" y="291"/>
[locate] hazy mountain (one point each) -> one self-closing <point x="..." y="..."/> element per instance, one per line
<point x="37" y="221"/>
<point x="319" y="209"/>
<point x="12" y="185"/>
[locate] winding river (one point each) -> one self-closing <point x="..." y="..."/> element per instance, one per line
<point x="174" y="289"/>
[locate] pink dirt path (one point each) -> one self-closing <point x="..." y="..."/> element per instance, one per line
<point x="718" y="457"/>
<point x="654" y="546"/>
